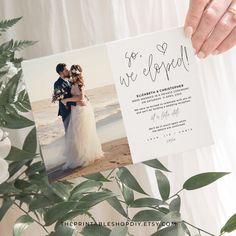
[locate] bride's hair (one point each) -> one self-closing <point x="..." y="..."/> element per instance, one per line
<point x="76" y="74"/>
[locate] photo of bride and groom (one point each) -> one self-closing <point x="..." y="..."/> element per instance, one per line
<point x="82" y="145"/>
<point x="77" y="113"/>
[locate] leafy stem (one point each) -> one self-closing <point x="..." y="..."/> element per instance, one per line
<point x="18" y="195"/>
<point x="31" y="216"/>
<point x="199" y="230"/>
<point x="106" y="178"/>
<point x="176" y="194"/>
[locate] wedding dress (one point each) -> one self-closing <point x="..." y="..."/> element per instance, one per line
<point x="82" y="145"/>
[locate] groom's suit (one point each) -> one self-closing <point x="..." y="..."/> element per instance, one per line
<point x="63" y="111"/>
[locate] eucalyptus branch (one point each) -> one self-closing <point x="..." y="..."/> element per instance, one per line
<point x="106" y="178"/>
<point x="175" y="194"/>
<point x="18" y="195"/>
<point x="36" y="221"/>
<point x="90" y="216"/>
<point x="199" y="230"/>
<point x="110" y="173"/>
<point x="127" y="212"/>
<point x="157" y="208"/>
<point x="23" y="172"/>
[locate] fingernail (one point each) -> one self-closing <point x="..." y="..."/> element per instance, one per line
<point x="216" y="52"/>
<point x="188" y="31"/>
<point x="201" y="55"/>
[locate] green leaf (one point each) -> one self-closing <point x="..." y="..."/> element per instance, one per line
<point x="15" y="166"/>
<point x="85" y="186"/>
<point x="61" y="190"/>
<point x="22" y="224"/>
<point x="95" y="198"/>
<point x="17" y="154"/>
<point x="58" y="211"/>
<point x="72" y="214"/>
<point x="5" y="24"/>
<point x="175" y="204"/>
<point x="17" y="62"/>
<point x="95" y="230"/>
<point x="128" y="179"/>
<point x="40" y="202"/>
<point x="39" y="179"/>
<point x="10" y="109"/>
<point x="185" y="229"/>
<point x="156" y="164"/>
<point x="230" y="225"/>
<point x="163" y="184"/>
<point x="21" y="44"/>
<point x="173" y="217"/>
<point x="201" y="180"/>
<point x="14" y="121"/>
<point x="2" y="73"/>
<point x="37" y="167"/>
<point x="20" y="107"/>
<point x="148" y="215"/>
<point x="9" y="92"/>
<point x="115" y="203"/>
<point x="146" y="202"/>
<point x="22" y="103"/>
<point x="24" y="198"/>
<point x="173" y="230"/>
<point x="66" y="229"/>
<point x="127" y="193"/>
<point x="119" y="231"/>
<point x="21" y="184"/>
<point x="7" y="203"/>
<point x="164" y="210"/>
<point x="30" y="143"/>
<point x="8" y="188"/>
<point x="97" y="177"/>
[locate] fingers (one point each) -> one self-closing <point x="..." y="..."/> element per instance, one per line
<point x="196" y="8"/>
<point x="228" y="43"/>
<point x="219" y="34"/>
<point x="210" y="17"/>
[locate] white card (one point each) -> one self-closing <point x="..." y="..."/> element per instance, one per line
<point x="160" y="94"/>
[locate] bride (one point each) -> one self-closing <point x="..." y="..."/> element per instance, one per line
<point x="82" y="145"/>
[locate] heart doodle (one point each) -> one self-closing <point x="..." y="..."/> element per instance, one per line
<point x="162" y="48"/>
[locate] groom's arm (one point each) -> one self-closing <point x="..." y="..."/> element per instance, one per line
<point x="73" y="99"/>
<point x="57" y="85"/>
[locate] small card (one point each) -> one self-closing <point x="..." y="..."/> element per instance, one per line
<point x="160" y="95"/>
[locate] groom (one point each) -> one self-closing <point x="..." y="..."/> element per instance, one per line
<point x="63" y="83"/>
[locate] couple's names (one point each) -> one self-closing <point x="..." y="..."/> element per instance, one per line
<point x="154" y="68"/>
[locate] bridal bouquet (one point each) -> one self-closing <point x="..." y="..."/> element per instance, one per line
<point x="58" y="95"/>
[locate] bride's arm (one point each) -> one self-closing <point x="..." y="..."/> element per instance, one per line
<point x="80" y="98"/>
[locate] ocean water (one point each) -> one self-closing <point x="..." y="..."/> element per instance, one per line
<point x="111" y="129"/>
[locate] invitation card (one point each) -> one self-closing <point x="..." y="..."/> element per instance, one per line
<point x="160" y="95"/>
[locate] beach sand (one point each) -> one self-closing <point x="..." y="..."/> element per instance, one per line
<point x="116" y="154"/>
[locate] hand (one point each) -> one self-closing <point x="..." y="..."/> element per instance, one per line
<point x="81" y="103"/>
<point x="64" y="102"/>
<point x="211" y="25"/>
